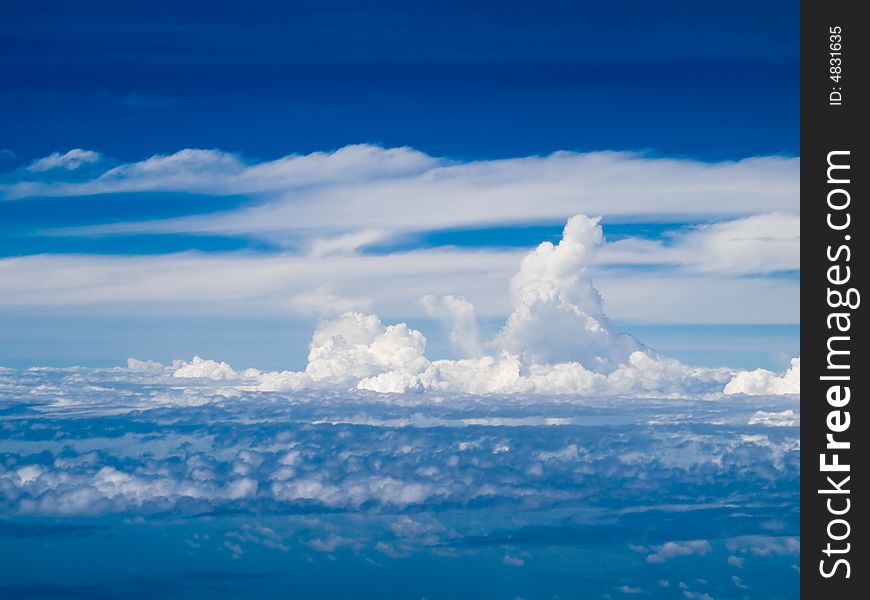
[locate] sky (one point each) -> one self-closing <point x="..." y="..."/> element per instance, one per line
<point x="181" y="179"/>
<point x="399" y="299"/>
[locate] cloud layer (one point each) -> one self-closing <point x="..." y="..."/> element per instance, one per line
<point x="207" y="475"/>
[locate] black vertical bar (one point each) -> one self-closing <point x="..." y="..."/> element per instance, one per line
<point x="834" y="223"/>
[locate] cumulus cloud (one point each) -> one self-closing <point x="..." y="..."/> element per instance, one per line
<point x="670" y="550"/>
<point x="557" y="314"/>
<point x="762" y="381"/>
<point x="557" y="340"/>
<point x="70" y="160"/>
<point x="145" y="366"/>
<point x="204" y="369"/>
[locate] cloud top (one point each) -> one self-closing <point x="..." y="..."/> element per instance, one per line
<point x="763" y="382"/>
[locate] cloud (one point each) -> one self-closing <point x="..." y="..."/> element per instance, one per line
<point x="762" y="381"/>
<point x="764" y="243"/>
<point x="736" y="561"/>
<point x="513" y="561"/>
<point x="765" y="545"/>
<point x="205" y="369"/>
<point x="557" y="340"/>
<point x="405" y="458"/>
<point x="70" y="160"/>
<point x="670" y="550"/>
<point x="557" y="314"/>
<point x="363" y="188"/>
<point x="281" y="284"/>
<point x="145" y="366"/>
<point x="221" y="173"/>
<point x="784" y="418"/>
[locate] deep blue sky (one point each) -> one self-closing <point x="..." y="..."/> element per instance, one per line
<point x="464" y="79"/>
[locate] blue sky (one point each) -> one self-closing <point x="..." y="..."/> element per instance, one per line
<point x="461" y="84"/>
<point x="712" y="80"/>
<point x="423" y="299"/>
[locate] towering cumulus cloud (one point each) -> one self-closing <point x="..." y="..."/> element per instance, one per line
<point x="557" y="340"/>
<point x="558" y="315"/>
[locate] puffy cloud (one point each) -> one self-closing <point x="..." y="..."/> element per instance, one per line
<point x="70" y="160"/>
<point x="358" y="451"/>
<point x="205" y="369"/>
<point x="736" y="561"/>
<point x="670" y="550"/>
<point x="357" y="346"/>
<point x="629" y="589"/>
<point x="144" y="366"/>
<point x="762" y="381"/>
<point x="557" y="340"/>
<point x="558" y="315"/>
<point x="765" y="545"/>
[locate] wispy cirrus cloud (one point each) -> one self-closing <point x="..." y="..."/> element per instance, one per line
<point x="70" y="160"/>
<point x="279" y="284"/>
<point x="393" y="190"/>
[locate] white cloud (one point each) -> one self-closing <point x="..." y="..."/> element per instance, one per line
<point x="240" y="284"/>
<point x="784" y="418"/>
<point x="670" y="550"/>
<point x="736" y="561"/>
<point x="70" y="160"/>
<point x="145" y="366"/>
<point x="367" y="188"/>
<point x="557" y="314"/>
<point x="345" y="449"/>
<point x="204" y="369"/>
<point x="513" y="561"/>
<point x="762" y="381"/>
<point x="335" y="203"/>
<point x="762" y="243"/>
<point x="763" y="545"/>
<point x="556" y="340"/>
